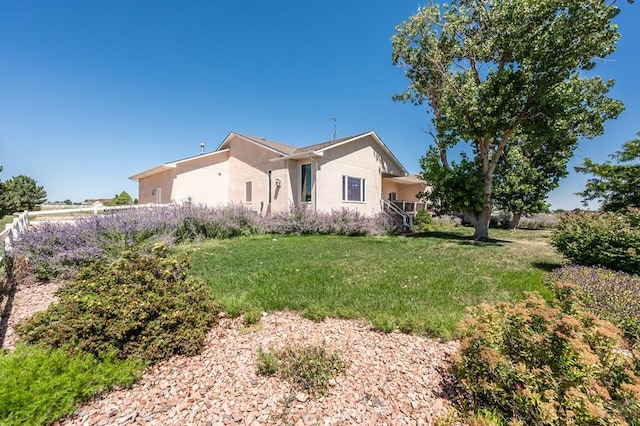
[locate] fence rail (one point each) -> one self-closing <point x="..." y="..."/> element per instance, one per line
<point x="12" y="231"/>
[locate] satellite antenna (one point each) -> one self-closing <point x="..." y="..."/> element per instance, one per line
<point x="334" y="127"/>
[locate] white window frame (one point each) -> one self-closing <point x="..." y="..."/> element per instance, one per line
<point x="345" y="189"/>
<point x="310" y="183"/>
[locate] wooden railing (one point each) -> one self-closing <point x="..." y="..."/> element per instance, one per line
<point x="391" y="208"/>
<point x="11" y="232"/>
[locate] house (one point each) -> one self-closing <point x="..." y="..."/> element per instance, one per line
<point x="357" y="172"/>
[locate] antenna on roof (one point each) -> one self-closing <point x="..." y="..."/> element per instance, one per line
<point x="334" y="127"/>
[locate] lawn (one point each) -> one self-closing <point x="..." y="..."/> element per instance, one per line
<point x="418" y="284"/>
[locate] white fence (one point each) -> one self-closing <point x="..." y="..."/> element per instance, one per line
<point x="21" y="223"/>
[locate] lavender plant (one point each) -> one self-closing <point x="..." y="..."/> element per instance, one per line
<point x="299" y="220"/>
<point x="58" y="249"/>
<point x="612" y="295"/>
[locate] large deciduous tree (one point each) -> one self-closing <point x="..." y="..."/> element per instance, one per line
<point x="616" y="185"/>
<point x="524" y="177"/>
<point x="21" y="193"/>
<point x="495" y="72"/>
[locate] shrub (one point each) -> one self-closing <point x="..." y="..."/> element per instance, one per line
<point x="299" y="220"/>
<point x="607" y="239"/>
<point x="39" y="386"/>
<point x="307" y="368"/>
<point x="423" y="221"/>
<point x="544" y="364"/>
<point x="139" y="306"/>
<point x="59" y="249"/>
<point x="612" y="295"/>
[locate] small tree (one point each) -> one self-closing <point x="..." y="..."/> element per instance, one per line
<point x="124" y="199"/>
<point x="494" y="72"/>
<point x="523" y="180"/>
<point x="616" y="185"/>
<point x="21" y="193"/>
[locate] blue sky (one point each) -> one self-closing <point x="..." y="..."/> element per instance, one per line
<point x="92" y="92"/>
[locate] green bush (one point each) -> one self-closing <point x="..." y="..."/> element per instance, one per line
<point x="423" y="220"/>
<point x="139" y="306"/>
<point x="308" y="368"/>
<point x="607" y="239"/>
<point x="38" y="386"/>
<point x="545" y="364"/>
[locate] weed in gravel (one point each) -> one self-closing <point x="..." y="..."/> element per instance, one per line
<point x="306" y="368"/>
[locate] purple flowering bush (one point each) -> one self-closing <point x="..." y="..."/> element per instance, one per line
<point x="299" y="220"/>
<point x="612" y="295"/>
<point x="59" y="249"/>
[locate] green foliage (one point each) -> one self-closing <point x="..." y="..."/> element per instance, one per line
<point x="39" y="386"/>
<point x="307" y="368"/>
<point x="499" y="74"/>
<point x="123" y="199"/>
<point x="607" y="239"/>
<point x="140" y="306"/>
<point x="419" y="284"/>
<point x="423" y="221"/>
<point x="522" y="182"/>
<point x="20" y="193"/>
<point x="617" y="185"/>
<point x="548" y="364"/>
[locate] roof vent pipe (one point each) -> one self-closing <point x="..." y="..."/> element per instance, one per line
<point x="201" y="147"/>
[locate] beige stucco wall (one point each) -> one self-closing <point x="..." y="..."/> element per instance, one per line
<point x="147" y="187"/>
<point x="202" y="180"/>
<point x="362" y="158"/>
<point x="250" y="162"/>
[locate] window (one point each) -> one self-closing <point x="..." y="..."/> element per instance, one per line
<point x="305" y="183"/>
<point x="352" y="189"/>
<point x="248" y="192"/>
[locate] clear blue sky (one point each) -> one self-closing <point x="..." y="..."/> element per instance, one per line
<point x="92" y="92"/>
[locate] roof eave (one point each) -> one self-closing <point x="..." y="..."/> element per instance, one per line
<point x="298" y="156"/>
<point x="153" y="171"/>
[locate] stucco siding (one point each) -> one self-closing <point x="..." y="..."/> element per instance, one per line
<point x="148" y="188"/>
<point x="361" y="159"/>
<point x="202" y="181"/>
<point x="250" y="163"/>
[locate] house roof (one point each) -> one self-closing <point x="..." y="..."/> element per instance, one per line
<point x="285" y="151"/>
<point x="278" y="147"/>
<point x="172" y="165"/>
<point x="318" y="149"/>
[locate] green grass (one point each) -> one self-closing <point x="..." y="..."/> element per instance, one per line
<point x="6" y="220"/>
<point x="38" y="386"/>
<point x="418" y="284"/>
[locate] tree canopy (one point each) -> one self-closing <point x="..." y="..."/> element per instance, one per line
<point x="123" y="199"/>
<point x="617" y="186"/>
<point x="20" y="193"/>
<point x="500" y="73"/>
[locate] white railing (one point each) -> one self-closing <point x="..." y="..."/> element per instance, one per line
<point x="11" y="232"/>
<point x="391" y="208"/>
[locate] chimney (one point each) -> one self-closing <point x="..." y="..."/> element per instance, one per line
<point x="201" y="147"/>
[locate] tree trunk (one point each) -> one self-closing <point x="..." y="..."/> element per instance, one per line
<point x="515" y="221"/>
<point x="480" y="222"/>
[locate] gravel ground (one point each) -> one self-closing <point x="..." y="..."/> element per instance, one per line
<point x="392" y="379"/>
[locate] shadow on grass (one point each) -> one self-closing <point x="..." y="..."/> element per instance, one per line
<point x="546" y="266"/>
<point x="458" y="238"/>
